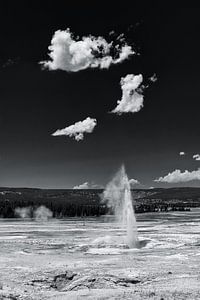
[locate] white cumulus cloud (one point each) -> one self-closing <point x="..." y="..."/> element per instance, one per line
<point x="181" y="153"/>
<point x="78" y="129"/>
<point x="132" y="97"/>
<point x="86" y="185"/>
<point x="83" y="186"/>
<point x="133" y="181"/>
<point x="178" y="176"/>
<point x="196" y="156"/>
<point x="72" y="54"/>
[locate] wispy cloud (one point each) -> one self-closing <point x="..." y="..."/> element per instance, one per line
<point x="78" y="129"/>
<point x="181" y="153"/>
<point x="178" y="176"/>
<point x="153" y="78"/>
<point x="132" y="97"/>
<point x="73" y="54"/>
<point x="10" y="62"/>
<point x="196" y="156"/>
<point x="86" y="185"/>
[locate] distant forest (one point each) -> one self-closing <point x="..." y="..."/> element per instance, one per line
<point x="81" y="203"/>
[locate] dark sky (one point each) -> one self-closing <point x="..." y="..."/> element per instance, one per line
<point x="34" y="103"/>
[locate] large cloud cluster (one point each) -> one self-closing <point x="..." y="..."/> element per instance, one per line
<point x="178" y="176"/>
<point x="78" y="129"/>
<point x="70" y="54"/>
<point x="132" y="97"/>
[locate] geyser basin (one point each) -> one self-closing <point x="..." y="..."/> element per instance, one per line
<point x="118" y="197"/>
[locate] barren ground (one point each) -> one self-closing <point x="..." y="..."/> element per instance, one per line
<point x="87" y="259"/>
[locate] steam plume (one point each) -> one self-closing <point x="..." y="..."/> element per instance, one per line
<point x="42" y="213"/>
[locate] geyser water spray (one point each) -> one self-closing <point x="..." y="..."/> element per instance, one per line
<point x="118" y="197"/>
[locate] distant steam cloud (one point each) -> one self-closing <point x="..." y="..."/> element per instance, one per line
<point x="178" y="176"/>
<point x="181" y="153"/>
<point x="23" y="212"/>
<point x="196" y="156"/>
<point x="72" y="54"/>
<point x="87" y="185"/>
<point x="133" y="182"/>
<point x="132" y="97"/>
<point x="78" y="129"/>
<point x="42" y="213"/>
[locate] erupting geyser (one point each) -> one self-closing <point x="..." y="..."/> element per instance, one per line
<point x="118" y="196"/>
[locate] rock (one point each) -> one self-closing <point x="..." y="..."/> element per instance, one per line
<point x="74" y="282"/>
<point x="70" y="281"/>
<point x="8" y="297"/>
<point x="61" y="280"/>
<point x="68" y="275"/>
<point x="152" y="294"/>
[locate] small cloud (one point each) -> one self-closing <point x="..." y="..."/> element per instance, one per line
<point x="196" y="156"/>
<point x="181" y="153"/>
<point x="87" y="185"/>
<point x="133" y="181"/>
<point x="151" y="187"/>
<point x="78" y="129"/>
<point x="178" y="176"/>
<point x="153" y="78"/>
<point x="132" y="98"/>
<point x="121" y="37"/>
<point x="83" y="186"/>
<point x="112" y="32"/>
<point x="72" y="54"/>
